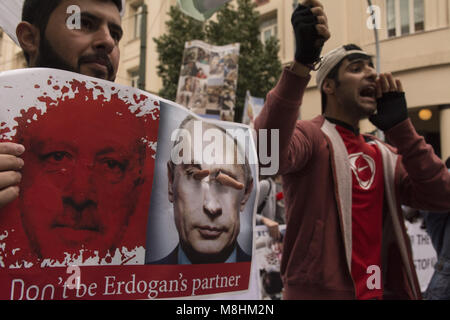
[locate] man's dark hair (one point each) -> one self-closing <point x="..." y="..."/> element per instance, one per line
<point x="272" y="282"/>
<point x="447" y="163"/>
<point x="37" y="12"/>
<point x="334" y="73"/>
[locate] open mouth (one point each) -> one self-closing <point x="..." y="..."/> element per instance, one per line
<point x="368" y="92"/>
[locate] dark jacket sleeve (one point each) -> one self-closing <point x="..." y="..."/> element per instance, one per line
<point x="423" y="179"/>
<point x="281" y="112"/>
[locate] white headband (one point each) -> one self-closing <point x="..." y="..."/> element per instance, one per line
<point x="330" y="60"/>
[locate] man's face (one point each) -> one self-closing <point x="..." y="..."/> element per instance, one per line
<point x="357" y="88"/>
<point x="92" y="50"/>
<point x="80" y="182"/>
<point x="207" y="207"/>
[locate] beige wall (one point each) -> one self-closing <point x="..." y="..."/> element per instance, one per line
<point x="130" y="48"/>
<point x="445" y="132"/>
<point x="11" y="56"/>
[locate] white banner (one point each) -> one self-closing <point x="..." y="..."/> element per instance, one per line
<point x="424" y="254"/>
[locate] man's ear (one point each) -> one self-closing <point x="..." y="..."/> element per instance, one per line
<point x="170" y="173"/>
<point x="328" y="86"/>
<point x="248" y="192"/>
<point x="29" y="39"/>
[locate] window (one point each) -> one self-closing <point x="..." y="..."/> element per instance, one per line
<point x="134" y="77"/>
<point x="404" y="17"/>
<point x="419" y="15"/>
<point x="268" y="29"/>
<point x="137" y="20"/>
<point x="390" y="7"/>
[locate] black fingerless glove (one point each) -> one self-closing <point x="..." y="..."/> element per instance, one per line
<point x="306" y="35"/>
<point x="391" y="110"/>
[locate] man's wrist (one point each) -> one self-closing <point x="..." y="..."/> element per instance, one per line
<point x="300" y="69"/>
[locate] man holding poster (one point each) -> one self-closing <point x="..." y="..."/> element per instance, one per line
<point x="208" y="196"/>
<point x="47" y="41"/>
<point x="80" y="182"/>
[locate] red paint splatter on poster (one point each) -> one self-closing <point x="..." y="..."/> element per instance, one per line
<point x="87" y="177"/>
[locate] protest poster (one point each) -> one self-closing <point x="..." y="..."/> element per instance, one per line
<point x="424" y="255"/>
<point x="208" y="79"/>
<point x="252" y="108"/>
<point x="268" y="259"/>
<point x="96" y="192"/>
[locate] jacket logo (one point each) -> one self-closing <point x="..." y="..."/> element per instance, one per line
<point x="363" y="167"/>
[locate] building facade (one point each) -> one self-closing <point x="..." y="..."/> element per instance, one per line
<point x="414" y="44"/>
<point x="11" y="56"/>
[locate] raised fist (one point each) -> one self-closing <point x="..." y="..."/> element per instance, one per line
<point x="310" y="26"/>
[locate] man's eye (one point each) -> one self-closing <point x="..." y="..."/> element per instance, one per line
<point x="114" y="165"/>
<point x="116" y="36"/>
<point x="56" y="156"/>
<point x="87" y="24"/>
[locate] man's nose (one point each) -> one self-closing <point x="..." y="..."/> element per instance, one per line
<point x="81" y="186"/>
<point x="103" y="41"/>
<point x="79" y="205"/>
<point x="211" y="206"/>
<point x="371" y="73"/>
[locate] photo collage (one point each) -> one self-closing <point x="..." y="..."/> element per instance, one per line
<point x="208" y="80"/>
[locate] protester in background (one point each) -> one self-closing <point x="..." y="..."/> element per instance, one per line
<point x="438" y="227"/>
<point x="46" y="41"/>
<point x="345" y="235"/>
<point x="280" y="216"/>
<point x="272" y="284"/>
<point x="266" y="209"/>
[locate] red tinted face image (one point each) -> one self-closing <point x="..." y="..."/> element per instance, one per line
<point x="83" y="176"/>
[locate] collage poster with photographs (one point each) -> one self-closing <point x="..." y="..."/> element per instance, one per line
<point x="106" y="209"/>
<point x="268" y="259"/>
<point x="208" y="79"/>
